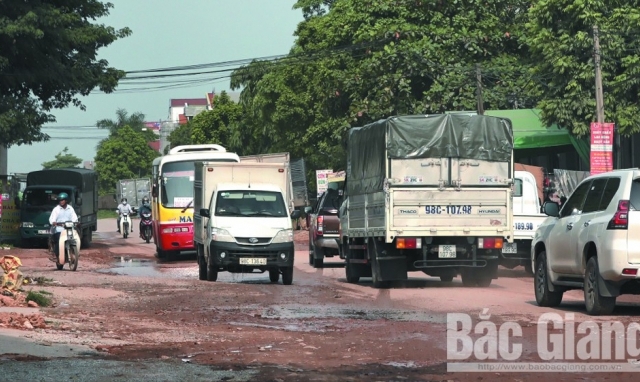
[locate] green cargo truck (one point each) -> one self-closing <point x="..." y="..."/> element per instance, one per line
<point x="41" y="196"/>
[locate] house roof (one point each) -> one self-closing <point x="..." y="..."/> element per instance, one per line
<point x="154" y="145"/>
<point x="179" y="102"/>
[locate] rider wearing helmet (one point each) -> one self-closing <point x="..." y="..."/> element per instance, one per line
<point x="122" y="208"/>
<point x="62" y="213"/>
<point x="144" y="208"/>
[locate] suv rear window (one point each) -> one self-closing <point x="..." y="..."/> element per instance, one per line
<point x="635" y="194"/>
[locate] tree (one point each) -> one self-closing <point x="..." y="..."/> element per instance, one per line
<point x="48" y="58"/>
<point x="135" y="121"/>
<point x="560" y="35"/>
<point x="217" y="125"/>
<point x="180" y="136"/>
<point x="62" y="160"/>
<point x="125" y="155"/>
<point x="356" y="61"/>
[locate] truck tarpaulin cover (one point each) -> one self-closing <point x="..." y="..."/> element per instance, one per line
<point x="423" y="136"/>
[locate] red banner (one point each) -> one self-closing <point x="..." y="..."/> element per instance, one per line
<point x="601" y="147"/>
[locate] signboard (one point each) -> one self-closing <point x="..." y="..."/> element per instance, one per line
<point x="336" y="177"/>
<point x="9" y="219"/>
<point x="322" y="182"/>
<point x="601" y="147"/>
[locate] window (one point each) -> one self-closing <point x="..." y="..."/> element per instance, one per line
<point x="40" y="197"/>
<point x="635" y="194"/>
<point x="594" y="196"/>
<point x="574" y="203"/>
<point x="250" y="203"/>
<point x="517" y="188"/>
<point x="609" y="192"/>
<point x="332" y="200"/>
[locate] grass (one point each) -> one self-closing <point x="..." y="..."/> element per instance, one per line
<point x="42" y="298"/>
<point x="107" y="214"/>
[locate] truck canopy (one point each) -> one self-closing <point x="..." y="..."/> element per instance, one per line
<point x="461" y="136"/>
<point x="77" y="177"/>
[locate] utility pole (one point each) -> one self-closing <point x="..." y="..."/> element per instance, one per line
<point x="479" y="90"/>
<point x="599" y="93"/>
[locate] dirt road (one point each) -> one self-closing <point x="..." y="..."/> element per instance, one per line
<point x="125" y="316"/>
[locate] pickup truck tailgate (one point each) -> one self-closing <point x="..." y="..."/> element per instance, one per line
<point x="452" y="211"/>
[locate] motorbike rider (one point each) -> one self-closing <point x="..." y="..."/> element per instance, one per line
<point x="62" y="213"/>
<point x="144" y="208"/>
<point x="122" y="208"/>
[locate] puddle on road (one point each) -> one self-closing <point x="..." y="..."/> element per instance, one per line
<point x="136" y="267"/>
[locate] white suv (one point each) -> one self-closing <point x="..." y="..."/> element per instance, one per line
<point x="592" y="243"/>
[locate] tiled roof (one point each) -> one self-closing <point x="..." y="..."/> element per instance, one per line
<point x="178" y="102"/>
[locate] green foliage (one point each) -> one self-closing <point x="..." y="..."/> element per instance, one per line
<point x="42" y="298"/>
<point x="180" y="136"/>
<point x="124" y="155"/>
<point x="218" y="125"/>
<point x="62" y="160"/>
<point x="356" y="61"/>
<point x="48" y="58"/>
<point x="560" y="35"/>
<point x="123" y="118"/>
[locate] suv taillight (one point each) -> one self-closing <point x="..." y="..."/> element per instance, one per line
<point x="320" y="226"/>
<point x="621" y="218"/>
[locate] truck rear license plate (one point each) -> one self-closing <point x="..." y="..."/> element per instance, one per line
<point x="510" y="248"/>
<point x="43" y="232"/>
<point x="253" y="261"/>
<point x="447" y="251"/>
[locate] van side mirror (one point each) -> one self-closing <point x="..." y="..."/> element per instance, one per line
<point x="307" y="210"/>
<point x="16" y="202"/>
<point x="551" y="209"/>
<point x="295" y="214"/>
<point x="204" y="212"/>
<point x="154" y="190"/>
<point x="78" y="200"/>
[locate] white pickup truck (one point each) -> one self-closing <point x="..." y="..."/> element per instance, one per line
<point x="526" y="219"/>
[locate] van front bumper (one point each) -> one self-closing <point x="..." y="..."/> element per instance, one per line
<point x="232" y="256"/>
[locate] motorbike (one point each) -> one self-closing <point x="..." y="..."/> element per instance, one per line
<point x="125" y="224"/>
<point x="68" y="246"/>
<point x="145" y="226"/>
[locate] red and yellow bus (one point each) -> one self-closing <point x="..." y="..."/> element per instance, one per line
<point x="172" y="195"/>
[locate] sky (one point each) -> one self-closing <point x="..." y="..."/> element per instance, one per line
<point x="165" y="33"/>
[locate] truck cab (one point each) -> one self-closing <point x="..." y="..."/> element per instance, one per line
<point x="527" y="218"/>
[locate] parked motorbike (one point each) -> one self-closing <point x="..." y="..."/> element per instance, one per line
<point x="145" y="226"/>
<point x="68" y="246"/>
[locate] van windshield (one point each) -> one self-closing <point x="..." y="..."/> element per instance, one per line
<point x="250" y="204"/>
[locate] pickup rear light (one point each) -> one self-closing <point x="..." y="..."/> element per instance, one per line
<point x="490" y="243"/>
<point x="630" y="271"/>
<point x="620" y="219"/>
<point x="320" y="225"/>
<point x="408" y="243"/>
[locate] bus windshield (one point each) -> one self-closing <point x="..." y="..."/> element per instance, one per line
<point x="177" y="183"/>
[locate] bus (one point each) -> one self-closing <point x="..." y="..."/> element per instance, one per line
<point x="172" y="195"/>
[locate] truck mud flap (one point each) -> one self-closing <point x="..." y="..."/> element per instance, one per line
<point x="389" y="268"/>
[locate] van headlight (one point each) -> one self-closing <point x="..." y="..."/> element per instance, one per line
<point x="219" y="234"/>
<point x="284" y="236"/>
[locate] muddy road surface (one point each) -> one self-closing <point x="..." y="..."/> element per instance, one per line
<point x="124" y="315"/>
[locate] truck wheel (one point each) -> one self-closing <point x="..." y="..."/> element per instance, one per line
<point x="527" y="268"/>
<point x="595" y="303"/>
<point x="352" y="274"/>
<point x="202" y="264"/>
<point x="446" y="279"/>
<point x="160" y="254"/>
<point x="212" y="272"/>
<point x="318" y="258"/>
<point x="469" y="277"/>
<point x="544" y="297"/>
<point x="86" y="238"/>
<point x="274" y="275"/>
<point x="287" y="276"/>
<point x="484" y="276"/>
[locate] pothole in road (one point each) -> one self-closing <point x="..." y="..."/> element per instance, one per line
<point x="296" y="313"/>
<point x="144" y="267"/>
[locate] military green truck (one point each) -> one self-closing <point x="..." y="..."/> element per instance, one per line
<point x="41" y="196"/>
